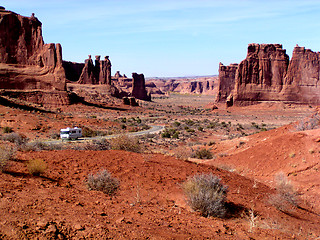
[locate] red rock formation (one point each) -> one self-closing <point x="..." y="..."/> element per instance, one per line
<point x="226" y="82"/>
<point x="73" y="70"/>
<point x="98" y="73"/>
<point x="26" y="63"/>
<point x="260" y="76"/>
<point x="139" y="88"/>
<point x="196" y="85"/>
<point x="22" y="43"/>
<point x="267" y="75"/>
<point x="302" y="79"/>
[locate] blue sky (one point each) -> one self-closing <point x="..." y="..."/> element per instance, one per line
<point x="172" y="37"/>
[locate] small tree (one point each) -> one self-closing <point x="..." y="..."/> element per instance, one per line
<point x="206" y="194"/>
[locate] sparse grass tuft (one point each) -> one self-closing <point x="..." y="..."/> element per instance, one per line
<point x="206" y="194"/>
<point x="103" y="181"/>
<point x="286" y="196"/>
<point x="126" y="143"/>
<point x="36" y="167"/>
<point x="6" y="154"/>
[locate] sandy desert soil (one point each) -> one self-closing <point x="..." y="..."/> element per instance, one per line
<point x="150" y="203"/>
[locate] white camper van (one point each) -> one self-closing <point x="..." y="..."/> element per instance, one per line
<point x="70" y="133"/>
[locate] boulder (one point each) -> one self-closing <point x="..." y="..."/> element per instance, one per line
<point x="139" y="87"/>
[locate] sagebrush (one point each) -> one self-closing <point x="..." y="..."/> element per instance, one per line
<point x="202" y="154"/>
<point x="126" y="143"/>
<point x="103" y="181"/>
<point x="205" y="193"/>
<point x="285" y="196"/>
<point x="6" y="154"/>
<point x="18" y="139"/>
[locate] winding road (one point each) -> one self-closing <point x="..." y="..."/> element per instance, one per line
<point x="153" y="130"/>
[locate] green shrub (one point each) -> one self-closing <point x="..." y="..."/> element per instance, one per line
<point x="7" y="130"/>
<point x="126" y="143"/>
<point x="202" y="154"/>
<point x="103" y="181"/>
<point x="6" y="154"/>
<point x="36" y="167"/>
<point x="205" y="193"/>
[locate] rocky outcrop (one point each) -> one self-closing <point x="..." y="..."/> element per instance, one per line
<point x="199" y="85"/>
<point x="302" y="80"/>
<point x="97" y="73"/>
<point x="26" y="63"/>
<point x="73" y="70"/>
<point x="139" y="87"/>
<point x="267" y="75"/>
<point x="226" y="81"/>
<point x="260" y="76"/>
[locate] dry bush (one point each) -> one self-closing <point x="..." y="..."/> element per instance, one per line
<point x="206" y="194"/>
<point x="6" y="154"/>
<point x="202" y="154"/>
<point x="39" y="145"/>
<point x="309" y="123"/>
<point x="103" y="181"/>
<point x="98" y="145"/>
<point x="182" y="152"/>
<point x="286" y="196"/>
<point x="126" y="143"/>
<point x="36" y="167"/>
<point x="16" y="138"/>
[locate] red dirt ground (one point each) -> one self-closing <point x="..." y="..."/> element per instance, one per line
<point x="149" y="204"/>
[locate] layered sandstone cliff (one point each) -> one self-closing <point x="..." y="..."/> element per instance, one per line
<point x="226" y="81"/>
<point x="267" y="75"/>
<point x="302" y="80"/>
<point x="26" y="63"/>
<point x="260" y="76"/>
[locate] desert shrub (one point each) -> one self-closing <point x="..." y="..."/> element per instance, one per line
<point x="202" y="154"/>
<point x="39" y="145"/>
<point x="285" y="195"/>
<point x="309" y="123"/>
<point x="97" y="145"/>
<point x="182" y="152"/>
<point x="205" y="193"/>
<point x="16" y="138"/>
<point x="126" y="143"/>
<point x="55" y="136"/>
<point x="6" y="154"/>
<point x="7" y="130"/>
<point x="103" y="181"/>
<point x="170" y="133"/>
<point x="88" y="132"/>
<point x="36" y="167"/>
